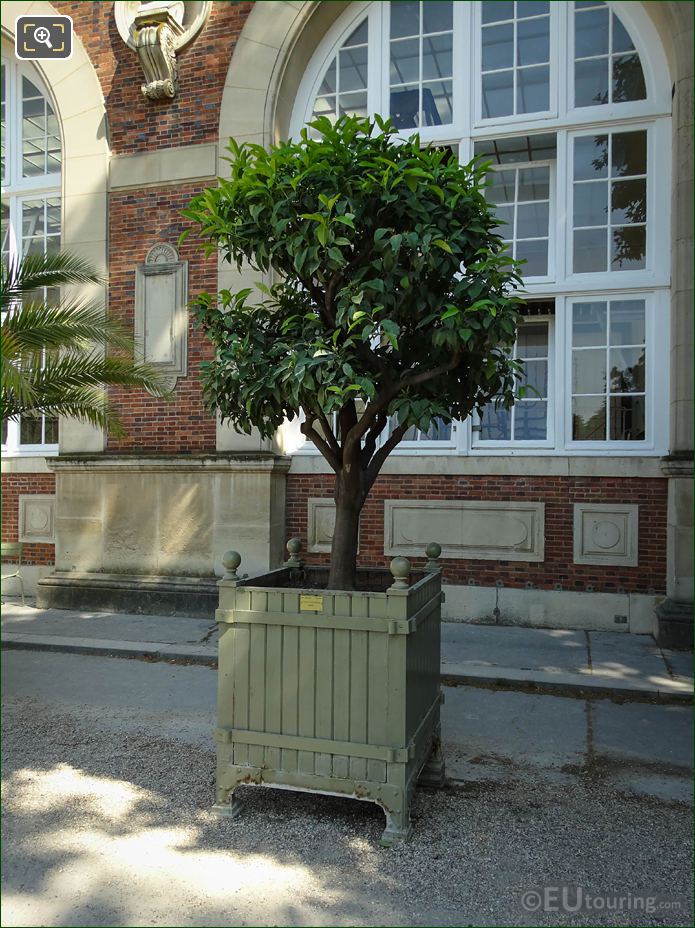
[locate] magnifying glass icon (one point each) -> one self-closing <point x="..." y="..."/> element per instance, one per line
<point x="42" y="35"/>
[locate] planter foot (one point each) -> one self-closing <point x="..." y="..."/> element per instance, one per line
<point x="433" y="773"/>
<point x="229" y="809"/>
<point x="398" y="828"/>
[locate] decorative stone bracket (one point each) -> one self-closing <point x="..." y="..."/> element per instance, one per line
<point x="156" y="30"/>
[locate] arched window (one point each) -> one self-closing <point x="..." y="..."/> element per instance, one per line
<point x="570" y="105"/>
<point x="31" y="206"/>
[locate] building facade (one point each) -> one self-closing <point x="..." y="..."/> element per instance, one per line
<point x="572" y="510"/>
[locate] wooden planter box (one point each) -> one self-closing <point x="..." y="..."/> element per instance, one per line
<point x="330" y="692"/>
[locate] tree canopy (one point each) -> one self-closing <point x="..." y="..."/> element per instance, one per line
<point x="393" y="303"/>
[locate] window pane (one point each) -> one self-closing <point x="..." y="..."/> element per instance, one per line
<point x="437" y="17"/>
<point x="405" y="107"/>
<point x="405" y="18"/>
<point x="530" y="8"/>
<point x="436" y="57"/>
<point x="627" y="370"/>
<point x="495" y="11"/>
<point x="534" y="184"/>
<point x="591" y="33"/>
<point x="621" y="40"/>
<point x="325" y="106"/>
<point x="533" y="90"/>
<point x="353" y="69"/>
<point x="533" y="41"/>
<point x="498" y="47"/>
<point x="30" y="431"/>
<point x="628" y="79"/>
<point x="536" y="377"/>
<point x="353" y="104"/>
<point x="51" y="431"/>
<point x="627" y="322"/>
<point x="530" y="421"/>
<point x="629" y="154"/>
<point x="496" y="424"/>
<point x="628" y="248"/>
<point x="532" y="220"/>
<point x="589" y="418"/>
<point x="629" y="201"/>
<point x="590" y="157"/>
<point x="502" y="186"/>
<point x="328" y="85"/>
<point x="627" y="417"/>
<point x="532" y="341"/>
<point x="591" y="82"/>
<point x="589" y="324"/>
<point x="535" y="253"/>
<point x="405" y="61"/>
<point x="359" y="36"/>
<point x="590" y="252"/>
<point x="505" y="220"/>
<point x="437" y="102"/>
<point x="591" y="204"/>
<point x="589" y="371"/>
<point x="498" y="94"/>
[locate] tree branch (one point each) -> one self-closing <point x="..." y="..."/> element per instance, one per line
<point x="329" y="434"/>
<point x="306" y="429"/>
<point x="377" y="461"/>
<point x="373" y="434"/>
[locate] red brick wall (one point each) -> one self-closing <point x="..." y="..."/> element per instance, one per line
<point x="137" y="124"/>
<point x="14" y="486"/>
<point x="558" y="493"/>
<point x="137" y="220"/>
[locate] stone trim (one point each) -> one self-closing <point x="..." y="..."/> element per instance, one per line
<point x="173" y="463"/>
<point x="523" y="466"/>
<point x="164" y="166"/>
<point x="39" y="509"/>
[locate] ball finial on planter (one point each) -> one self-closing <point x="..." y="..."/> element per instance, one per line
<point x="230" y="562"/>
<point x="294" y="546"/>
<point x="400" y="568"/>
<point x="433" y="550"/>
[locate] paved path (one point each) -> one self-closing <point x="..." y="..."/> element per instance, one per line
<point x="548" y="659"/>
<point x="108" y="783"/>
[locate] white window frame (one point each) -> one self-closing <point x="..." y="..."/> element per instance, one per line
<point x="15" y="191"/>
<point x="479" y="445"/>
<point x="477" y="82"/>
<point x="566" y="121"/>
<point x="657" y="340"/>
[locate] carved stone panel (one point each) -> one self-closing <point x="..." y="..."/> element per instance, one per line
<point x="507" y="531"/>
<point x="161" y="314"/>
<point x="606" y="534"/>
<point x="37" y="518"/>
<point x="320" y="524"/>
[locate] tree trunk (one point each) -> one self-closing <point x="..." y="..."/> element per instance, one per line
<point x="349" y="499"/>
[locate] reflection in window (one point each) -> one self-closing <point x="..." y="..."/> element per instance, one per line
<point x="421" y="64"/>
<point x="344" y="85"/>
<point x="515" y="58"/>
<point x="608" y="370"/>
<point x="610" y="202"/>
<point x="527" y="420"/>
<point x="607" y="68"/>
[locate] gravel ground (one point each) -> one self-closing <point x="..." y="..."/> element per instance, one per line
<point x="112" y="827"/>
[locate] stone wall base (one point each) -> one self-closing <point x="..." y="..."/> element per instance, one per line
<point x="674" y="625"/>
<point x="195" y="597"/>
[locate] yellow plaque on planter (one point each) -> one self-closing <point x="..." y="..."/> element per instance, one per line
<point x="310" y="603"/>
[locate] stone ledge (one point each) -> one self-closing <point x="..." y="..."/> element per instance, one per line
<point x="254" y="462"/>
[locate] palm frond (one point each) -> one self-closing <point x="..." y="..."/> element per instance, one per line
<point x="36" y="271"/>
<point x="65" y="324"/>
<point x="87" y="404"/>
